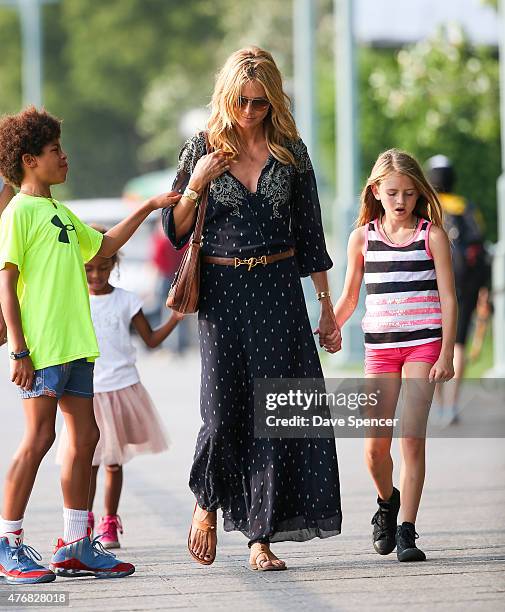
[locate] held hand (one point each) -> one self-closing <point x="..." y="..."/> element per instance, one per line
<point x="442" y="370"/>
<point x="164" y="200"/>
<point x="207" y="168"/>
<point x="22" y="373"/>
<point x="178" y="316"/>
<point x="329" y="332"/>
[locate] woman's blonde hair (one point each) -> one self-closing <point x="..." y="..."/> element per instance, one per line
<point x="244" y="66"/>
<point x="428" y="206"/>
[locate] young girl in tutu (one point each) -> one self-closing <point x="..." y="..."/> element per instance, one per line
<point x="128" y="421"/>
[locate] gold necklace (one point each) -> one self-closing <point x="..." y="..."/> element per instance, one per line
<point x="392" y="241"/>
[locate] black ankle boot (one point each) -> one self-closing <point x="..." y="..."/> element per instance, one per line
<point x="406" y="548"/>
<point x="384" y="524"/>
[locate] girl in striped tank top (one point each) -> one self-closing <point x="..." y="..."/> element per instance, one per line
<point x="403" y="253"/>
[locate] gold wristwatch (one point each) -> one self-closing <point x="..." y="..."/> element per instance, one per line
<point x="191" y="194"/>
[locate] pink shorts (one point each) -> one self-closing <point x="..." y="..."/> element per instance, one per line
<point x="380" y="361"/>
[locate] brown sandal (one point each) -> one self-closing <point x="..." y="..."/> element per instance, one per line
<point x="258" y="549"/>
<point x="206" y="528"/>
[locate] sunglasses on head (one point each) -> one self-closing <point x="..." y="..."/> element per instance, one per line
<point x="257" y="103"/>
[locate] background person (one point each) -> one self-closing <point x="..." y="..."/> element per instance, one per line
<point x="464" y="226"/>
<point x="166" y="260"/>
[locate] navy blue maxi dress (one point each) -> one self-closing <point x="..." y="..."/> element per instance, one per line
<point x="254" y="324"/>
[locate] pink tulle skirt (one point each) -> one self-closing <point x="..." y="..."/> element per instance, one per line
<point x="129" y="425"/>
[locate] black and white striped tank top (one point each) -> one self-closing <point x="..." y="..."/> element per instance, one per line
<point x="402" y="302"/>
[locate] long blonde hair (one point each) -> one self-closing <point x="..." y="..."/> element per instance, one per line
<point x="243" y="66"/>
<point x="428" y="205"/>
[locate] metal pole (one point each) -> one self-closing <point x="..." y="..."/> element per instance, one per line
<point x="499" y="254"/>
<point x="347" y="165"/>
<point x="304" y="79"/>
<point x="30" y="16"/>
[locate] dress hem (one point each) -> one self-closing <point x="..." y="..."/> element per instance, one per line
<point x="292" y="535"/>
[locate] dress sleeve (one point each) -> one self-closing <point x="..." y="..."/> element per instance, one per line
<point x="190" y="153"/>
<point x="307" y="226"/>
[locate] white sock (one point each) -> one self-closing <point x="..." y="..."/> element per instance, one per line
<point x="10" y="526"/>
<point x="75" y="524"/>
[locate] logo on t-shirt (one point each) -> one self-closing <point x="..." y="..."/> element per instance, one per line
<point x="63" y="236"/>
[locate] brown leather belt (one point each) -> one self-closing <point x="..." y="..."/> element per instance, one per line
<point x="249" y="262"/>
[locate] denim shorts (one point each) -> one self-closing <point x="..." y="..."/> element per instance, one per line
<point x="72" y="378"/>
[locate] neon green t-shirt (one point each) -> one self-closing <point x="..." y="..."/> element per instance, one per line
<point x="50" y="245"/>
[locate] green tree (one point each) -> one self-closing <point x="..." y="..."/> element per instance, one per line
<point x="442" y="98"/>
<point x="100" y="58"/>
<point x="187" y="86"/>
<point x="10" y="66"/>
<point x="437" y="96"/>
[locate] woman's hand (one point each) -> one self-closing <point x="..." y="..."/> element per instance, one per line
<point x="208" y="168"/>
<point x="328" y="330"/>
<point x="442" y="370"/>
<point x="164" y="200"/>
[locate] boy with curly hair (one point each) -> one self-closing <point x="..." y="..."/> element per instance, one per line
<point x="52" y="344"/>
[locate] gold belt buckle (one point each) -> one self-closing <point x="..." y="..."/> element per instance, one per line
<point x="250" y="263"/>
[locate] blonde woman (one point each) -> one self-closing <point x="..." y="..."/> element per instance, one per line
<point x="263" y="207"/>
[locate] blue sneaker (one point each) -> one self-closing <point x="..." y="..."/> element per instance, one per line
<point x="86" y="557"/>
<point x="18" y="561"/>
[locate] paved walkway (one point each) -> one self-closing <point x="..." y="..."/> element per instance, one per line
<point x="462" y="527"/>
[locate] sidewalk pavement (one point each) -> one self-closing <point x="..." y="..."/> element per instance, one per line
<point x="461" y="523"/>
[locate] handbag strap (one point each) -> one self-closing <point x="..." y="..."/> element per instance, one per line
<point x="196" y="238"/>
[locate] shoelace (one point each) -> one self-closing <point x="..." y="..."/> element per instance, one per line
<point x="111" y="523"/>
<point x="119" y="525"/>
<point x="380" y="519"/>
<point x="409" y="537"/>
<point x="98" y="548"/>
<point x="27" y="551"/>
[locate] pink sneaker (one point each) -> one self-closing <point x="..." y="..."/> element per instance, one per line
<point x="91" y="522"/>
<point x="107" y="531"/>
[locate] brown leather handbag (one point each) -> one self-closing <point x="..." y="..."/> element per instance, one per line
<point x="185" y="290"/>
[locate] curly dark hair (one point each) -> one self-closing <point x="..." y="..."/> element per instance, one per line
<point x="27" y="132"/>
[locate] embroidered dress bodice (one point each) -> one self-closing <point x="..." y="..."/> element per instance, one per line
<point x="282" y="213"/>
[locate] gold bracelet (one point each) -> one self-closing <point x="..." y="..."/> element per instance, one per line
<point x="323" y="294"/>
